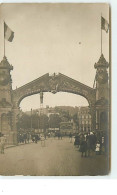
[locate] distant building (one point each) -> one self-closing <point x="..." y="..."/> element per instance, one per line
<point x="34" y="111"/>
<point x="74" y="126"/>
<point x="84" y="119"/>
<point x="66" y="127"/>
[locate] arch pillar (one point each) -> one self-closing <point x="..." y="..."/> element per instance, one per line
<point x="0" y="123"/>
<point x="14" y="126"/>
<point x="102" y="93"/>
<point x="15" y="113"/>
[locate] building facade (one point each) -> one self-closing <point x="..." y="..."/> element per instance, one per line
<point x="66" y="127"/>
<point x="84" y="119"/>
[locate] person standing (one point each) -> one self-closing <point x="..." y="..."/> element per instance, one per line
<point x="97" y="150"/>
<point x="58" y="135"/>
<point x="25" y="137"/>
<point x="36" y="138"/>
<point x="70" y="137"/>
<point x="28" y="137"/>
<point x="42" y="137"/>
<point x="2" y="144"/>
<point x="61" y="135"/>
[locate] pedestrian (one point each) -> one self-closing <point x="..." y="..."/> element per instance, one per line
<point x="77" y="140"/>
<point x="97" y="150"/>
<point x="49" y="135"/>
<point x="2" y="144"/>
<point x="54" y="135"/>
<point x="61" y="135"/>
<point x="42" y="137"/>
<point x="33" y="138"/>
<point x="45" y="135"/>
<point x="36" y="138"/>
<point x="58" y="135"/>
<point x="70" y="137"/>
<point x="25" y="137"/>
<point x="28" y="137"/>
<point x="20" y="138"/>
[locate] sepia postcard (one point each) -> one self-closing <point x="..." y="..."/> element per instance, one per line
<point x="55" y="71"/>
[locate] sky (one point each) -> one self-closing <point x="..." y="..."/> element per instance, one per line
<point x="63" y="38"/>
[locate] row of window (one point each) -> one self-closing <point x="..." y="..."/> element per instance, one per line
<point x="85" y="122"/>
<point x="84" y="116"/>
<point x="84" y="112"/>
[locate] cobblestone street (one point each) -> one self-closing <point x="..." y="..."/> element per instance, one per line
<point x="57" y="158"/>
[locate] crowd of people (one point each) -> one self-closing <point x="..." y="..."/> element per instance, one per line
<point x="91" y="142"/>
<point x="24" y="137"/>
<point x="87" y="143"/>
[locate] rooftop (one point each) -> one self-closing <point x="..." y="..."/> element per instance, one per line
<point x="4" y="64"/>
<point x="101" y="62"/>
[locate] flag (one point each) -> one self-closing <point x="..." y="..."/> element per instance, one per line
<point x="8" y="33"/>
<point x="104" y="24"/>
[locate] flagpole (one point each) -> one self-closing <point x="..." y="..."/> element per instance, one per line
<point x="4" y="42"/>
<point x="94" y="82"/>
<point x="4" y="47"/>
<point x="101" y="33"/>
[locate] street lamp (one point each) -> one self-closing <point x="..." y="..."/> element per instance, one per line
<point x="31" y="120"/>
<point x="38" y="120"/>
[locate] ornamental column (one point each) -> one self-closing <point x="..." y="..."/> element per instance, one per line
<point x="102" y="94"/>
<point x="6" y="99"/>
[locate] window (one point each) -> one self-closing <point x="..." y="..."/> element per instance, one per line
<point x="89" y="116"/>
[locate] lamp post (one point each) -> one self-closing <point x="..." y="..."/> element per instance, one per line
<point x="38" y="120"/>
<point x="31" y="120"/>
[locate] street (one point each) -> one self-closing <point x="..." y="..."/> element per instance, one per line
<point x="56" y="158"/>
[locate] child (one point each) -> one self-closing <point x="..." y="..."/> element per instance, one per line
<point x="97" y="150"/>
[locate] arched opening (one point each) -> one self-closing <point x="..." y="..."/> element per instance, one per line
<point x="71" y="110"/>
<point x="58" y="99"/>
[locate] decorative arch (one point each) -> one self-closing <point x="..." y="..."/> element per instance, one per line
<point x="54" y="84"/>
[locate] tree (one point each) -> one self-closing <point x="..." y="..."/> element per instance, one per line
<point x="35" y="119"/>
<point x="43" y="122"/>
<point x="40" y="122"/>
<point x="54" y="121"/>
<point x="24" y="122"/>
<point x="75" y="119"/>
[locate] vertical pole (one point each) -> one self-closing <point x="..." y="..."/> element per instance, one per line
<point x="41" y="111"/>
<point x="101" y="33"/>
<point x="4" y="47"/>
<point x="101" y="41"/>
<point x="31" y="119"/>
<point x="38" y="120"/>
<point x="4" y="40"/>
<point x="1" y="123"/>
<point x="94" y="82"/>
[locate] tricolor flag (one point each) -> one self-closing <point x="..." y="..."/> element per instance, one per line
<point x="104" y="24"/>
<point x="8" y="33"/>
